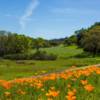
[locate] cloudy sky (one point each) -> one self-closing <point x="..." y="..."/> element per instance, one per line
<point x="48" y="18"/>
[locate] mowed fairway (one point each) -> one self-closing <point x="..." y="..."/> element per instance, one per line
<point x="66" y="58"/>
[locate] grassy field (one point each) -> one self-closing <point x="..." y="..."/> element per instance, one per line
<point x="66" y="58"/>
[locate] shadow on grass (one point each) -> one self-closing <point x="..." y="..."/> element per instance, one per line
<point x="82" y="55"/>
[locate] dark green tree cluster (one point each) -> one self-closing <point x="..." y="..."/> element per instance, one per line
<point x="18" y="47"/>
<point x="40" y="43"/>
<point x="12" y="43"/>
<point x="56" y="42"/>
<point x="72" y="40"/>
<point x="89" y="39"/>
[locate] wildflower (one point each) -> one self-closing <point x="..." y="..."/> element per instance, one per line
<point x="52" y="88"/>
<point x="36" y="73"/>
<point x="69" y="86"/>
<point x="52" y="93"/>
<point x="84" y="82"/>
<point x="52" y="77"/>
<point x="7" y="94"/>
<point x="6" y="85"/>
<point x="32" y="85"/>
<point x="89" y="87"/>
<point x="98" y="71"/>
<point x="21" y="92"/>
<point x="42" y="89"/>
<point x="49" y="99"/>
<point x="73" y="67"/>
<point x="74" y="79"/>
<point x="74" y="90"/>
<point x="39" y="85"/>
<point x="43" y="71"/>
<point x="71" y="95"/>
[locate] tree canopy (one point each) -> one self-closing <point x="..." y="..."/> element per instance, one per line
<point x="11" y="43"/>
<point x="89" y="39"/>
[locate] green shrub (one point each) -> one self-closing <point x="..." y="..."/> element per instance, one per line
<point x="83" y="55"/>
<point x="42" y="55"/>
<point x="39" y="55"/>
<point x="17" y="56"/>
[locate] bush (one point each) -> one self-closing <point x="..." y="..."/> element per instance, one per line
<point x="17" y="56"/>
<point x="42" y="55"/>
<point x="83" y="55"/>
<point x="39" y="55"/>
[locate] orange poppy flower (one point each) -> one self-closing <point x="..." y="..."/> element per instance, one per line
<point x="7" y="94"/>
<point x="84" y="82"/>
<point x="89" y="87"/>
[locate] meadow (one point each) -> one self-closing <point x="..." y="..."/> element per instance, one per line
<point x="67" y="57"/>
<point x="49" y="50"/>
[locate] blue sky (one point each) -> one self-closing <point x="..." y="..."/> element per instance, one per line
<point x="48" y="18"/>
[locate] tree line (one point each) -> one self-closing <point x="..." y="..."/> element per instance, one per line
<point x="17" y="46"/>
<point x="86" y="38"/>
<point x="13" y="43"/>
<point x="89" y="39"/>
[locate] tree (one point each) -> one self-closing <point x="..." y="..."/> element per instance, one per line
<point x="79" y="35"/>
<point x="3" y="42"/>
<point x="12" y="43"/>
<point x="91" y="40"/>
<point x="71" y="40"/>
<point x="38" y="43"/>
<point x="66" y="42"/>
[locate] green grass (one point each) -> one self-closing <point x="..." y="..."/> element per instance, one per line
<point x="66" y="58"/>
<point x="64" y="52"/>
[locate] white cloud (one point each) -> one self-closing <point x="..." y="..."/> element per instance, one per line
<point x="28" y="13"/>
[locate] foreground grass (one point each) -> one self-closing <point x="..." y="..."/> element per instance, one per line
<point x="66" y="58"/>
<point x="81" y="84"/>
